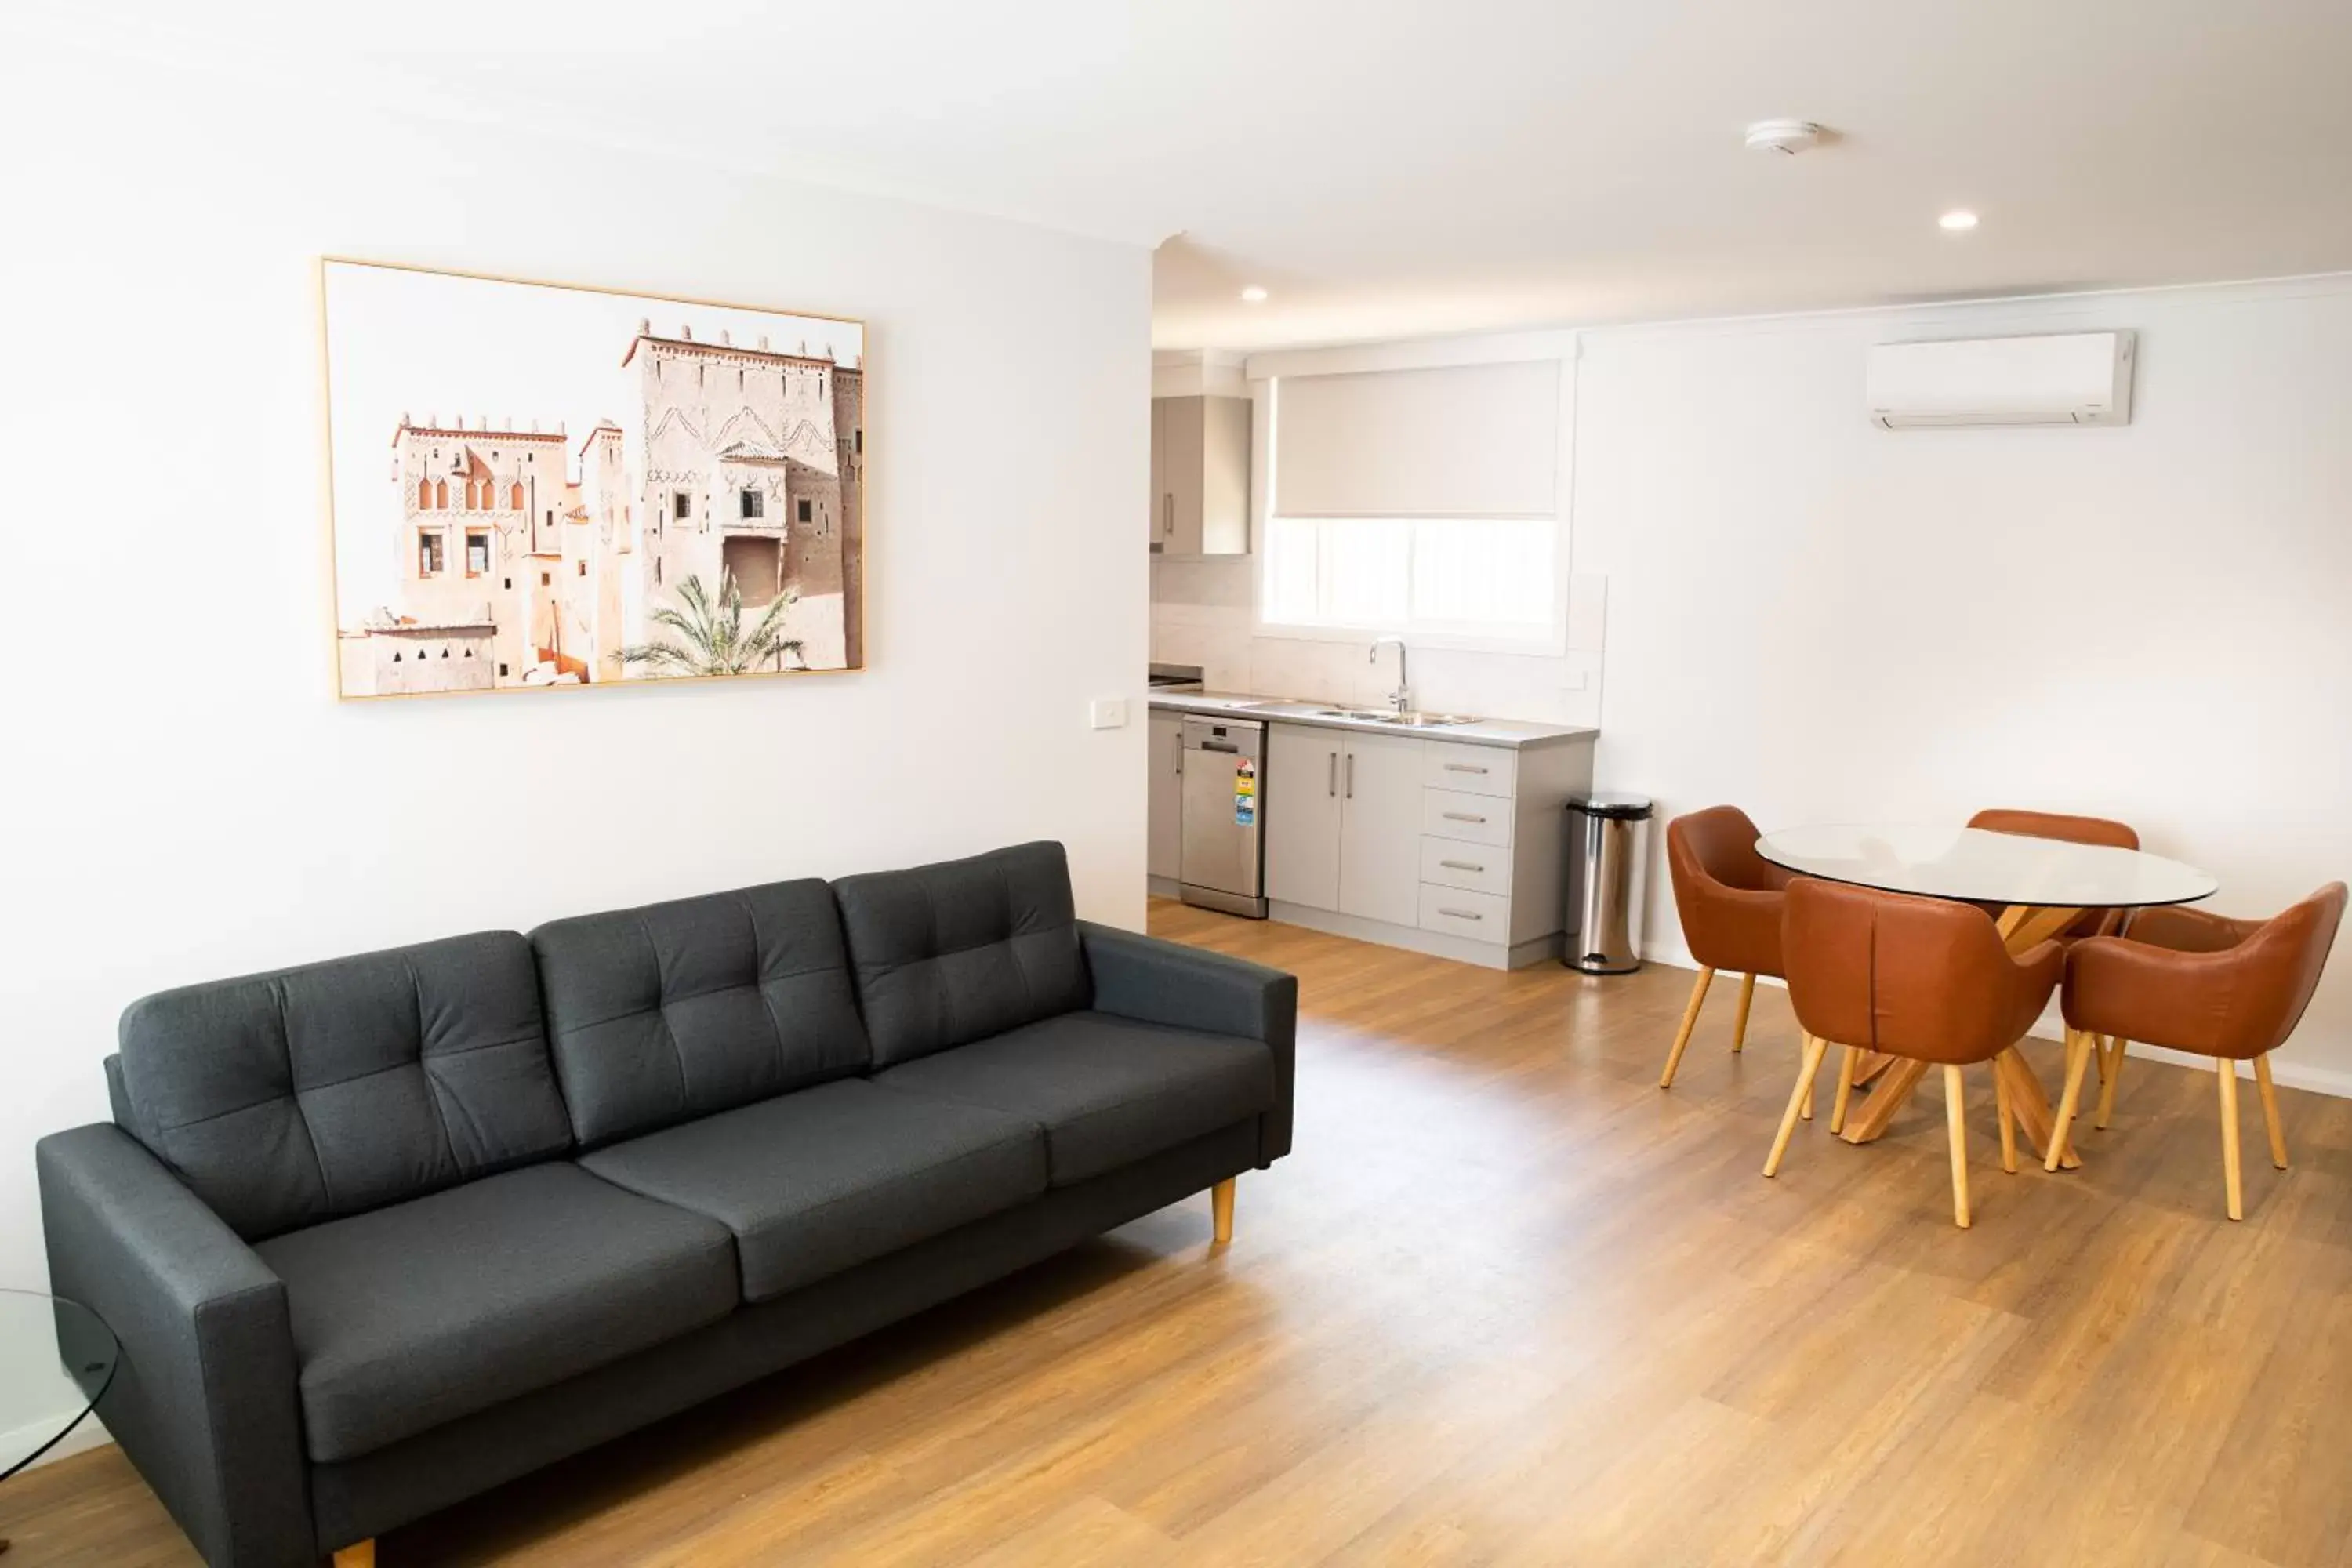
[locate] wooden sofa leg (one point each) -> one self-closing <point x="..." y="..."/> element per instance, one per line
<point x="361" y="1555"/>
<point x="1220" y="1210"/>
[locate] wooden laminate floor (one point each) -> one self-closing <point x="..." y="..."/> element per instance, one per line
<point x="1508" y="1303"/>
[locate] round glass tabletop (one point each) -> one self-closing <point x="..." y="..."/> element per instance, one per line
<point x="1985" y="867"/>
<point x="56" y="1358"/>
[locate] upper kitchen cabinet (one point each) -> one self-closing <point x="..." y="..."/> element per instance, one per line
<point x="1200" y="475"/>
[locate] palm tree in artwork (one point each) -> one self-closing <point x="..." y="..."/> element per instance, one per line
<point x="710" y="636"/>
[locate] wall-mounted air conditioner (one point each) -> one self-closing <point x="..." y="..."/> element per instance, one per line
<point x="2068" y="378"/>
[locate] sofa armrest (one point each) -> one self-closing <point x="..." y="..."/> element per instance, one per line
<point x="1157" y="982"/>
<point x="205" y="1402"/>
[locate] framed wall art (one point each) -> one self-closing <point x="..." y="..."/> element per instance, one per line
<point x="536" y="486"/>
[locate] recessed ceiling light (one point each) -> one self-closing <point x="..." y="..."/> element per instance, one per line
<point x="1253" y="295"/>
<point x="1958" y="221"/>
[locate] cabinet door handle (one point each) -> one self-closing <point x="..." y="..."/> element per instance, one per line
<point x="1463" y="768"/>
<point x="1351" y="775"/>
<point x="1463" y="816"/>
<point x="1460" y="914"/>
<point x="1460" y="866"/>
<point x="1176" y="762"/>
<point x="1167" y="513"/>
<point x="1331" y="778"/>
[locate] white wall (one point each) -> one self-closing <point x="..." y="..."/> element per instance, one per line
<point x="183" y="797"/>
<point x="1820" y="620"/>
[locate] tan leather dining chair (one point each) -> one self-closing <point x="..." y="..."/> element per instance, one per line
<point x="2232" y="990"/>
<point x="1928" y="979"/>
<point x="2100" y="830"/>
<point x="1729" y="899"/>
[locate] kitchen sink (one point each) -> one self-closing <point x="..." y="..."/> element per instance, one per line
<point x="1410" y="719"/>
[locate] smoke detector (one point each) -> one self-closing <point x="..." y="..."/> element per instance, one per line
<point x="1784" y="136"/>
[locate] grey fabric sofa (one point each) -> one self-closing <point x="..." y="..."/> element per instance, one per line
<point x="382" y="1233"/>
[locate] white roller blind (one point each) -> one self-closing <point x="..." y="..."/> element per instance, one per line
<point x="1475" y="440"/>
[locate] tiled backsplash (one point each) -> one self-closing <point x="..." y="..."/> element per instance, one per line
<point x="1200" y="613"/>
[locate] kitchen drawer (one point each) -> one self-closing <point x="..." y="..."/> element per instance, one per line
<point x="1474" y="818"/>
<point x="1481" y="917"/>
<point x="1475" y="770"/>
<point x="1479" y="868"/>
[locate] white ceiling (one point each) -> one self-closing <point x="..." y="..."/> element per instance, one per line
<point x="1399" y="166"/>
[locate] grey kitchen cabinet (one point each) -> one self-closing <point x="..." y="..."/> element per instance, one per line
<point x="1164" y="841"/>
<point x="1200" y="475"/>
<point x="1380" y="828"/>
<point x="1438" y="846"/>
<point x="1302" y="823"/>
<point x="1342" y="821"/>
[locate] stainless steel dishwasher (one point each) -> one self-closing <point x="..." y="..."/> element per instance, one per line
<point x="1222" y="863"/>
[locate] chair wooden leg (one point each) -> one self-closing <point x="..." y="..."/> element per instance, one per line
<point x="2006" y="1116"/>
<point x="1683" y="1035"/>
<point x="1847" y="1064"/>
<point x="1221" y="1209"/>
<point x="2099" y="1054"/>
<point x="2230" y="1181"/>
<point x="1740" y="1019"/>
<point x="1955" y="1128"/>
<point x="2080" y="1047"/>
<point x="2115" y="1081"/>
<point x="2270" y="1109"/>
<point x="362" y="1555"/>
<point x="1810" y="1064"/>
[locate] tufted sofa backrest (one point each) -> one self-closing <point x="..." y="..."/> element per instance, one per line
<point x="678" y="1010"/>
<point x="306" y="1094"/>
<point x="952" y="953"/>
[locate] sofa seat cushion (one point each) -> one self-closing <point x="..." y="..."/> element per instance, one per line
<point x="1108" y="1091"/>
<point x="812" y="1182"/>
<point x="410" y="1316"/>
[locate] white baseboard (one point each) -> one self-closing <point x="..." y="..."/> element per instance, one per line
<point x="1436" y="943"/>
<point x="2284" y="1067"/>
<point x="86" y="1435"/>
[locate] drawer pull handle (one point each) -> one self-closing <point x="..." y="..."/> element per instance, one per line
<point x="1463" y="816"/>
<point x="1463" y="768"/>
<point x="1460" y="865"/>
<point x="1460" y="914"/>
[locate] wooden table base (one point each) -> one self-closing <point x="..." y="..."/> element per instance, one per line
<point x="2022" y="927"/>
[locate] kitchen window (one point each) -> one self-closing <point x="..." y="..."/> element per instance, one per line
<point x="1490" y="581"/>
<point x="1426" y="502"/>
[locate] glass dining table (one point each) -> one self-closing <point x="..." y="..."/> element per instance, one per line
<point x="2041" y="887"/>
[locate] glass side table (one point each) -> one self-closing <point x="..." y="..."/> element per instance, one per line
<point x="56" y="1358"/>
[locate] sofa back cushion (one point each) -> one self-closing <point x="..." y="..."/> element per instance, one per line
<point x="306" y="1094"/>
<point x="956" y="951"/>
<point x="682" y="1009"/>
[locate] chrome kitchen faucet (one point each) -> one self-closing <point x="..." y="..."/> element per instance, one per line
<point x="1401" y="699"/>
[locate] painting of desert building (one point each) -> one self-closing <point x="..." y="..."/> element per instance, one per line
<point x="706" y="520"/>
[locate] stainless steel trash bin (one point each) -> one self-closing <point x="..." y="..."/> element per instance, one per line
<point x="1608" y="879"/>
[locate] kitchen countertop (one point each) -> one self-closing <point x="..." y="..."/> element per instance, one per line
<point x="1510" y="732"/>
